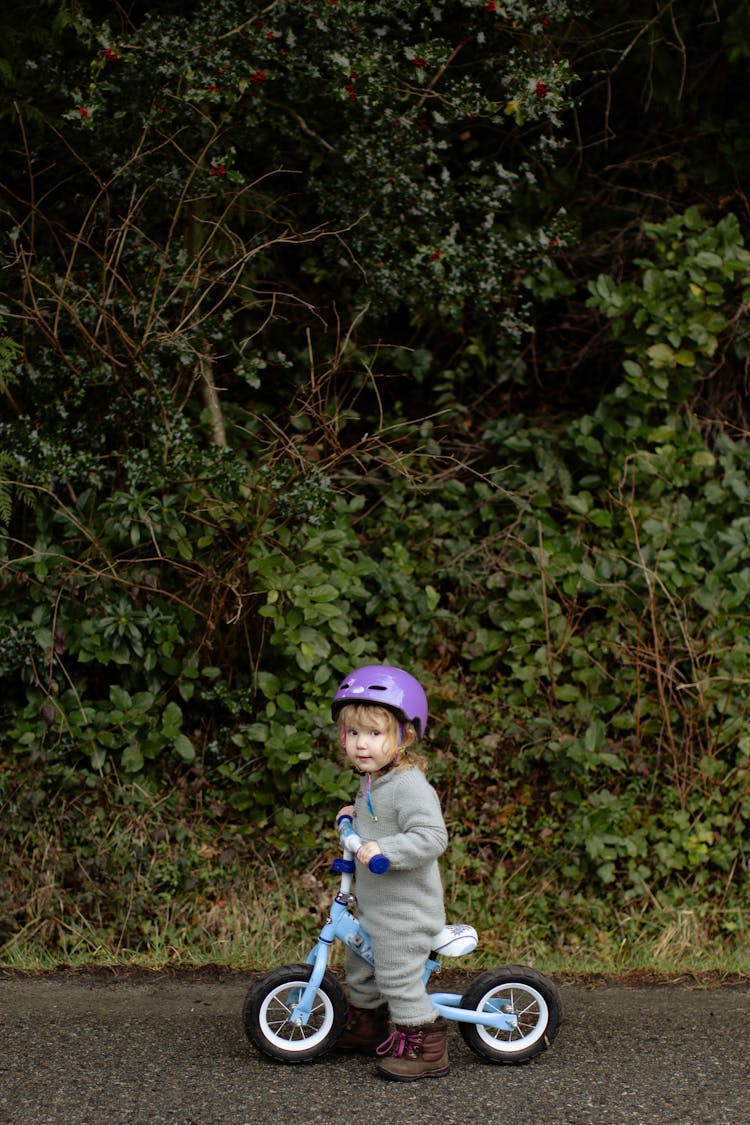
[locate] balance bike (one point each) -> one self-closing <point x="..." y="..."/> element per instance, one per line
<point x="296" y="1013"/>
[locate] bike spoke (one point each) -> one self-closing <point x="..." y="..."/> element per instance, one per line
<point x="281" y="1023"/>
<point x="527" y="1017"/>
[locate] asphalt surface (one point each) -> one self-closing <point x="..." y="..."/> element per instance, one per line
<point x="134" y="1049"/>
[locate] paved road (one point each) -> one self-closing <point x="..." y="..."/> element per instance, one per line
<point x="159" y="1050"/>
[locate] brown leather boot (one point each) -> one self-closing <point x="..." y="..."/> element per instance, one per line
<point x="366" y="1029"/>
<point x="415" y="1052"/>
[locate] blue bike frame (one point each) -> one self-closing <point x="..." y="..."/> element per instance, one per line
<point x="341" y="925"/>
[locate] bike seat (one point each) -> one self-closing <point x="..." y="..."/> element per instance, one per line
<point x="455" y="941"/>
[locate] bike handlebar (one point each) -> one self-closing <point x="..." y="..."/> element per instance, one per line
<point x="379" y="864"/>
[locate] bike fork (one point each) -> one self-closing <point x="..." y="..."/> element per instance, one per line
<point x="318" y="958"/>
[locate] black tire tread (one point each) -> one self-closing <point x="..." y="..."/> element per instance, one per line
<point x="507" y="974"/>
<point x="288" y="974"/>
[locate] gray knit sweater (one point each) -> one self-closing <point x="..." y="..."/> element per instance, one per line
<point x="411" y="833"/>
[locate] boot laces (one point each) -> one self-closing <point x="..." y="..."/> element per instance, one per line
<point x="400" y="1043"/>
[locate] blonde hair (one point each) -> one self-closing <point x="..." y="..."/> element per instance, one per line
<point x="364" y="713"/>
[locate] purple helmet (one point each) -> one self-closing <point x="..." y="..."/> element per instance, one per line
<point x="384" y="686"/>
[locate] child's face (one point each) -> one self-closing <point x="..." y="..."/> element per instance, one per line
<point x="369" y="740"/>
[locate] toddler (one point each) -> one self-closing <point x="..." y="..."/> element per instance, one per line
<point x="381" y="712"/>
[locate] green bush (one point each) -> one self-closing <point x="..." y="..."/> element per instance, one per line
<point x="218" y="494"/>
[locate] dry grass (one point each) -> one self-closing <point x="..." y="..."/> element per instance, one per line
<point x="275" y="920"/>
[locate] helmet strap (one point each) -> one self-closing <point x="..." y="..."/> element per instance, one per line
<point x="368" y="797"/>
<point x="400" y="748"/>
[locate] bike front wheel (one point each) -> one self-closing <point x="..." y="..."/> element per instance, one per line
<point x="267" y="1015"/>
<point x="525" y="993"/>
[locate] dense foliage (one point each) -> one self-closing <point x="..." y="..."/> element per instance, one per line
<point x="274" y="404"/>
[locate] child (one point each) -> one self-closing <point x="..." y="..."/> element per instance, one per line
<point x="381" y="712"/>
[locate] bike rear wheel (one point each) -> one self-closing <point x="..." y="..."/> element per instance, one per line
<point x="267" y="1015"/>
<point x="530" y="996"/>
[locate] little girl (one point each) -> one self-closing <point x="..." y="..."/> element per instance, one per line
<point x="381" y="712"/>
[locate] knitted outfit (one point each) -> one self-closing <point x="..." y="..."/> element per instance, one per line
<point x="402" y="910"/>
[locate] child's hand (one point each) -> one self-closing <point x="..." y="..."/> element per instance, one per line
<point x="368" y="851"/>
<point x="348" y="810"/>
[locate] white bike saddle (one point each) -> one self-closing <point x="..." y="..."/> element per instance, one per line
<point x="455" y="941"/>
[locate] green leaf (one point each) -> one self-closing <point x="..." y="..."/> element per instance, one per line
<point x="120" y="698"/>
<point x="98" y="757"/>
<point x="325" y="593"/>
<point x="432" y="597"/>
<point x="661" y="355"/>
<point x="184" y="747"/>
<point x="171" y="720"/>
<point x="269" y="684"/>
<point x="708" y="260"/>
<point x="286" y="703"/>
<point x="132" y="758"/>
<point x="257" y="732"/>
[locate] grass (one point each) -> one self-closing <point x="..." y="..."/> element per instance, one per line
<point x="153" y="884"/>
<point x="276" y="921"/>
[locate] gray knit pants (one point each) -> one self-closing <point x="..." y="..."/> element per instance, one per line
<point x="396" y="978"/>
